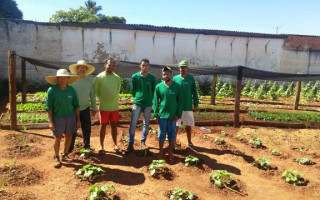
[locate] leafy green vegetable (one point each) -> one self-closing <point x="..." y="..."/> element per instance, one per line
<point x="96" y="192"/>
<point x="157" y="167"/>
<point x="293" y="177"/>
<point x="219" y="140"/>
<point x="191" y="161"/>
<point x="220" y="178"/>
<point x="89" y="172"/>
<point x="181" y="194"/>
<point x="304" y="161"/>
<point x="256" y="142"/>
<point x="263" y="163"/>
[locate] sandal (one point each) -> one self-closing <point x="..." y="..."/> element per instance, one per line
<point x="101" y="152"/>
<point x="117" y="150"/>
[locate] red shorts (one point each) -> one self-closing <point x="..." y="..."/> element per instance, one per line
<point x="108" y="116"/>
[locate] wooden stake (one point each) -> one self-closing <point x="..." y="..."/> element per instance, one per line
<point x="12" y="89"/>
<point x="297" y="99"/>
<point x="213" y="90"/>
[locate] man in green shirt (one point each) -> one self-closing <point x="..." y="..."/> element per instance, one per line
<point x="167" y="106"/>
<point x="85" y="92"/>
<point x="62" y="106"/>
<point x="189" y="95"/>
<point x="142" y="89"/>
<point x="107" y="87"/>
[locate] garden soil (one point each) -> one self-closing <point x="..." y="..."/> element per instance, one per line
<point x="27" y="172"/>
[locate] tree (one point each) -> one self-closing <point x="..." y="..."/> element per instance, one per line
<point x="90" y="13"/>
<point x="9" y="9"/>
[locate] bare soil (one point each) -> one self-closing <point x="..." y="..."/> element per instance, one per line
<point x="31" y="175"/>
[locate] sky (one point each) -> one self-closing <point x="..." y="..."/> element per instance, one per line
<point x="300" y="17"/>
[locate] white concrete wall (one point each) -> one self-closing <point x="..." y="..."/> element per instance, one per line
<point x="66" y="43"/>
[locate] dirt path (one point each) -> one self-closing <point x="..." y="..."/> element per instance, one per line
<point x="131" y="179"/>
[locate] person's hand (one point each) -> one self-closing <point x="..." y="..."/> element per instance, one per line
<point x="195" y="109"/>
<point x="78" y="124"/>
<point x="52" y="126"/>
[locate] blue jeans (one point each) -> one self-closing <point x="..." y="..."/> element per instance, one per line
<point x="85" y="120"/>
<point x="136" y="111"/>
<point x="167" y="126"/>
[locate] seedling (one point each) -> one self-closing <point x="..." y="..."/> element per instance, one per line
<point x="96" y="192"/>
<point x="89" y="172"/>
<point x="262" y="163"/>
<point x="275" y="152"/>
<point x="157" y="167"/>
<point x="205" y="137"/>
<point x="191" y="161"/>
<point x="153" y="131"/>
<point x="84" y="153"/>
<point x="77" y="144"/>
<point x="221" y="178"/>
<point x="24" y="128"/>
<point x="182" y="128"/>
<point x="219" y="140"/>
<point x="293" y="177"/>
<point x="256" y="142"/>
<point x="224" y="132"/>
<point x="181" y="194"/>
<point x="238" y="137"/>
<point x="304" y="161"/>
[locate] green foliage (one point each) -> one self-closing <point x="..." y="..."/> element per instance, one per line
<point x="246" y="89"/>
<point x="32" y="118"/>
<point x="198" y="89"/>
<point x="312" y="91"/>
<point x="272" y="93"/>
<point x="290" y="91"/>
<point x="281" y="90"/>
<point x="153" y="131"/>
<point x="223" y="132"/>
<point x="227" y="90"/>
<point x="261" y="92"/>
<point x="219" y="140"/>
<point x="125" y="86"/>
<point x="157" y="167"/>
<point x="191" y="160"/>
<point x="85" y="14"/>
<point x="221" y="178"/>
<point x="84" y="153"/>
<point x="205" y="87"/>
<point x="210" y="115"/>
<point x="275" y="152"/>
<point x="293" y="177"/>
<point x="89" y="172"/>
<point x="263" y="163"/>
<point x="9" y="9"/>
<point x="238" y="137"/>
<point x="256" y="142"/>
<point x="301" y="116"/>
<point x="99" y="193"/>
<point x="304" y="161"/>
<point x="181" y="194"/>
<point x="31" y="107"/>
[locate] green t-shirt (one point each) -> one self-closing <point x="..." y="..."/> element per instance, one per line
<point x="189" y="91"/>
<point x="107" y="88"/>
<point x="167" y="101"/>
<point x="85" y="92"/>
<point x="62" y="103"/>
<point x="142" y="89"/>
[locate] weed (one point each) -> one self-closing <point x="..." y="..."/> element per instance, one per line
<point x="205" y="136"/>
<point x="275" y="152"/>
<point x="221" y="178"/>
<point x="262" y="163"/>
<point x="238" y="137"/>
<point x="256" y="142"/>
<point x="96" y="192"/>
<point x="157" y="167"/>
<point x="77" y="144"/>
<point x="89" y="172"/>
<point x="223" y="132"/>
<point x="304" y="161"/>
<point x="181" y="194"/>
<point x="153" y="131"/>
<point x="293" y="177"/>
<point x="219" y="140"/>
<point x="191" y="161"/>
<point x="84" y="153"/>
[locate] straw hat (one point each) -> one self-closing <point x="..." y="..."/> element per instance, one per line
<point x="73" y="67"/>
<point x="63" y="73"/>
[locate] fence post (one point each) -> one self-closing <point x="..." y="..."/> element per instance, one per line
<point x="12" y="88"/>
<point x="213" y="90"/>
<point x="237" y="98"/>
<point x="297" y="99"/>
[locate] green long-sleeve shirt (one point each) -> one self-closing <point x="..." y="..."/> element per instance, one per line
<point x="107" y="88"/>
<point x="85" y="92"/>
<point x="167" y="101"/>
<point x="142" y="89"/>
<point x="189" y="91"/>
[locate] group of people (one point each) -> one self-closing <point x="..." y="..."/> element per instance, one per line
<point x="71" y="97"/>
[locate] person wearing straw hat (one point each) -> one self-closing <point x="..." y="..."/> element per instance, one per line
<point x="167" y="107"/>
<point x="107" y="87"/>
<point x="62" y="105"/>
<point x="142" y="89"/>
<point x="189" y="95"/>
<point x="85" y="92"/>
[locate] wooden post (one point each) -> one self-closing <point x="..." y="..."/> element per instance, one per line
<point x="297" y="99"/>
<point x="213" y="90"/>
<point x="237" y="99"/>
<point x="23" y="80"/>
<point x="12" y="89"/>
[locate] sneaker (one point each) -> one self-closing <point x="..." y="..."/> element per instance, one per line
<point x="129" y="149"/>
<point x="57" y="162"/>
<point x="66" y="158"/>
<point x="143" y="145"/>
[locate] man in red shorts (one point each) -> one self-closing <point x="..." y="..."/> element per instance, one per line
<point x="107" y="87"/>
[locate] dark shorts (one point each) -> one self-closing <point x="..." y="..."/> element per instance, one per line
<point x="108" y="116"/>
<point x="64" y="125"/>
<point x="167" y="126"/>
